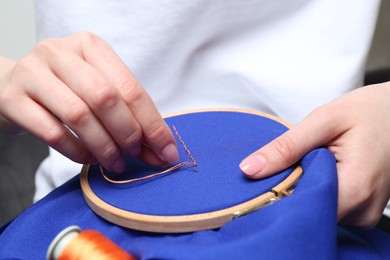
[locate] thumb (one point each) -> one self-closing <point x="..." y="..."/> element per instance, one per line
<point x="287" y="149"/>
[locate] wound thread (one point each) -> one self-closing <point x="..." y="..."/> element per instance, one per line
<point x="170" y="169"/>
<point x="72" y="244"/>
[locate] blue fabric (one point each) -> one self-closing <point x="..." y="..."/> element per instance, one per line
<point x="302" y="226"/>
<point x="217" y="181"/>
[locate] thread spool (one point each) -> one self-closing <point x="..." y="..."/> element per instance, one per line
<point x="72" y="243"/>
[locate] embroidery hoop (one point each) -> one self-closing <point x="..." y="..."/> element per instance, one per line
<point x="192" y="222"/>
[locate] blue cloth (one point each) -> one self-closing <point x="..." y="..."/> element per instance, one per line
<point x="216" y="183"/>
<point x="302" y="226"/>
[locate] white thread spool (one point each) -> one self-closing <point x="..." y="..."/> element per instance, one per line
<point x="61" y="241"/>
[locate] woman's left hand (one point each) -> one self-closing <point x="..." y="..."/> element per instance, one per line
<point x="355" y="128"/>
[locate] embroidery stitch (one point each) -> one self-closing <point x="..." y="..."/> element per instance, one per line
<point x="170" y="169"/>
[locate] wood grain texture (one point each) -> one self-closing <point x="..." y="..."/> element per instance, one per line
<point x="194" y="222"/>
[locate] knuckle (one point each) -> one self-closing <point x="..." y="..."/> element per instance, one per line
<point x="109" y="153"/>
<point x="285" y="148"/>
<point x="87" y="38"/>
<point x="77" y="114"/>
<point x="133" y="139"/>
<point x="104" y="97"/>
<point x="23" y="69"/>
<point x="157" y="132"/>
<point x="22" y="66"/>
<point x="86" y="35"/>
<point x="50" y="46"/>
<point x="132" y="92"/>
<point x="55" y="136"/>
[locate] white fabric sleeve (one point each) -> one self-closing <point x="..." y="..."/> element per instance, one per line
<point x="387" y="210"/>
<point x="55" y="170"/>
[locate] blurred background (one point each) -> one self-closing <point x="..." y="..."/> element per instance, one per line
<point x="20" y="155"/>
<point x="17" y="32"/>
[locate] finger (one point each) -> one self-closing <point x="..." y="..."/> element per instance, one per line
<point x="156" y="132"/>
<point x="47" y="128"/>
<point x="154" y="129"/>
<point x="77" y="115"/>
<point x="115" y="128"/>
<point x="150" y="157"/>
<point x="287" y="149"/>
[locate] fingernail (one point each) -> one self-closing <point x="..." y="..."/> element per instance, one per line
<point x="170" y="154"/>
<point x="118" y="166"/>
<point x="253" y="165"/>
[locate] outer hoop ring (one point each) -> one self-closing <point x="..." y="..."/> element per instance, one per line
<point x="194" y="222"/>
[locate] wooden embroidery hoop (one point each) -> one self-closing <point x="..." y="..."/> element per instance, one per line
<point x="194" y="222"/>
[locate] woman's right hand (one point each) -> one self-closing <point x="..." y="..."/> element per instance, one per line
<point x="78" y="96"/>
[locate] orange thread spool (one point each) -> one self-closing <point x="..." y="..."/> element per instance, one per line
<point x="72" y="244"/>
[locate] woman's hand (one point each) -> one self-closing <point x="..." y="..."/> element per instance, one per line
<point x="79" y="97"/>
<point x="356" y="129"/>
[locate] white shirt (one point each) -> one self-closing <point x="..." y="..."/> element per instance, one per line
<point x="281" y="57"/>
